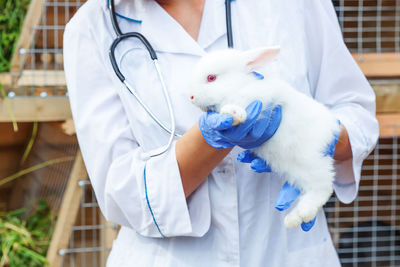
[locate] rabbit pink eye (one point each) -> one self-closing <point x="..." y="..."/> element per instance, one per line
<point x="211" y="78"/>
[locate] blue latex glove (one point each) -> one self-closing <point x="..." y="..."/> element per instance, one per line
<point x="261" y="130"/>
<point x="288" y="193"/>
<point x="286" y="196"/>
<point x="259" y="126"/>
<point x="210" y="123"/>
<point x="256" y="164"/>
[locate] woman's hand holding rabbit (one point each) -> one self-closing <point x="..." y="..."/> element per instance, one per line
<point x="259" y="165"/>
<point x="260" y="131"/>
<point x="259" y="126"/>
<point x="288" y="193"/>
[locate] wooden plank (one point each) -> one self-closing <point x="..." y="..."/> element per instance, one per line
<point x="372" y="64"/>
<point x="5" y="79"/>
<point x="389" y="124"/>
<point x="387" y="98"/>
<point x="379" y="64"/>
<point x="42" y="78"/>
<point x="68" y="212"/>
<point x="32" y="19"/>
<point x="36" y="109"/>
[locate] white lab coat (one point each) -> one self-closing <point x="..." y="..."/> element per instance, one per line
<point x="230" y="220"/>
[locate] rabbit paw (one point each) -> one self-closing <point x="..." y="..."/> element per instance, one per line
<point x="307" y="213"/>
<point x="238" y="114"/>
<point x="303" y="212"/>
<point x="292" y="220"/>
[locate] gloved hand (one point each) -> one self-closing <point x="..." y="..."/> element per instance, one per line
<point x="288" y="193"/>
<point x="256" y="164"/>
<point x="286" y="196"/>
<point x="259" y="126"/>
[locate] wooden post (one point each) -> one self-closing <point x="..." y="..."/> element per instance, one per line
<point x="389" y="124"/>
<point x="32" y="19"/>
<point x="387" y="97"/>
<point x="68" y="212"/>
<point x="379" y="64"/>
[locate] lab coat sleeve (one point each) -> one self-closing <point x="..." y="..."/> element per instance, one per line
<point x="337" y="82"/>
<point x="143" y="194"/>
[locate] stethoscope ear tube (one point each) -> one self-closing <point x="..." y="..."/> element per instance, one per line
<point x="228" y="19"/>
<point x="113" y="16"/>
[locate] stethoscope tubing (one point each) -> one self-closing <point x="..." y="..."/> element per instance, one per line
<point x="153" y="55"/>
<point x="228" y="18"/>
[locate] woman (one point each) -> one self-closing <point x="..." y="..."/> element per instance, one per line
<point x="195" y="205"/>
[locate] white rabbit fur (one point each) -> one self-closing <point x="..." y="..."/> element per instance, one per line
<point x="296" y="151"/>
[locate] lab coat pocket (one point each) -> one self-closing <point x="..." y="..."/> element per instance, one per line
<point x="321" y="254"/>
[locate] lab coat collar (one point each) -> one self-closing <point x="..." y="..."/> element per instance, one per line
<point x="165" y="34"/>
<point x="128" y="9"/>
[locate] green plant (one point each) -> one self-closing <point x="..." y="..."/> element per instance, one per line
<point x="30" y="143"/>
<point x="34" y="168"/>
<point x="8" y="107"/>
<point x="11" y="19"/>
<point x="24" y="242"/>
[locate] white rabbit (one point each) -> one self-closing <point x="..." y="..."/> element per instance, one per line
<point x="224" y="81"/>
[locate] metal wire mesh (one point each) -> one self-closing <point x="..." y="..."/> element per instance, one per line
<point x="370" y="25"/>
<point x="46" y="183"/>
<point x="42" y="65"/>
<point x="367" y="232"/>
<point x="367" y="25"/>
<point x="88" y="245"/>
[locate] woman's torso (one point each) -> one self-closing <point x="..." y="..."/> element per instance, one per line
<point x="245" y="229"/>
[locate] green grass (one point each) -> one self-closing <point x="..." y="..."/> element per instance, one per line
<point x="11" y="20"/>
<point x="3" y="96"/>
<point x="24" y="242"/>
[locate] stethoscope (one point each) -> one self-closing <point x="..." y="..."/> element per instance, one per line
<point x="122" y="36"/>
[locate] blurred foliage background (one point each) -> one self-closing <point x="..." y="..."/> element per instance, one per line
<point x="11" y="20"/>
<point x="25" y="238"/>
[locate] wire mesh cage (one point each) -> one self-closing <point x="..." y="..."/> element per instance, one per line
<point x="89" y="244"/>
<point x="86" y="236"/>
<point x="41" y="65"/>
<point x="365" y="233"/>
<point x="49" y="183"/>
<point x="48" y="36"/>
<point x="370" y="25"/>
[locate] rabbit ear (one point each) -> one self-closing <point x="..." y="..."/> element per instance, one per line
<point x="260" y="56"/>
